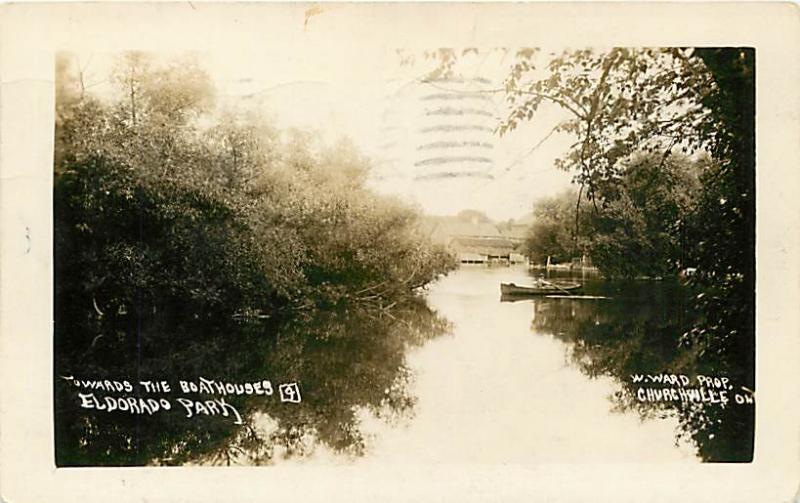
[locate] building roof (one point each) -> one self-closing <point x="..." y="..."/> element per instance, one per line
<point x="482" y="246"/>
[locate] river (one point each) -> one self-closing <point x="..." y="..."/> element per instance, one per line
<point x="504" y="386"/>
<point x="457" y="376"/>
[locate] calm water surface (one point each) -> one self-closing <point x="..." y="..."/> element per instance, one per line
<point x="458" y="376"/>
<point x="508" y="385"/>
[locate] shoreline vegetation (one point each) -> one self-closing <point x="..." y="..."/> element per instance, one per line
<point x="162" y="201"/>
<point x="191" y="239"/>
<point x="664" y="167"/>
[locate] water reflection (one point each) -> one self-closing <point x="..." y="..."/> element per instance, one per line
<point x="344" y="361"/>
<point x="548" y="380"/>
<point x="637" y="331"/>
<point x="539" y="380"/>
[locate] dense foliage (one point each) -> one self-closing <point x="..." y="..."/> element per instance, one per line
<point x="160" y="206"/>
<point x="629" y="106"/>
<point x="551" y="235"/>
<point x="641" y="227"/>
<point x="175" y="217"/>
<point x="641" y="230"/>
<point x="723" y="228"/>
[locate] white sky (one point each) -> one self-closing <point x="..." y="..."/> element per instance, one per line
<point x="344" y="93"/>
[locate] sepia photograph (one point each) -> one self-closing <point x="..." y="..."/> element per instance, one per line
<point x="512" y="235"/>
<point x="467" y="256"/>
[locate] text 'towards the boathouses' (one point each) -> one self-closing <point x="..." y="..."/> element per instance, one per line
<point x="200" y="397"/>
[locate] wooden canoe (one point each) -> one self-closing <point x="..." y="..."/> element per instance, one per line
<point x="545" y="289"/>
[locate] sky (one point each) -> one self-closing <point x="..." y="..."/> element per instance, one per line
<point x="377" y="104"/>
<point x="366" y="95"/>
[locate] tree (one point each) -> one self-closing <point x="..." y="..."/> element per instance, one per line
<point x="167" y="92"/>
<point x="655" y="100"/>
<point x="619" y="102"/>
<point x="723" y="227"/>
<point x="551" y="233"/>
<point x="641" y="230"/>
